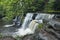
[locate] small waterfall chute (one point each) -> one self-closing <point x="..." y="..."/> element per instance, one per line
<point x="30" y="30"/>
<point x="33" y="25"/>
<point x="44" y="16"/>
<point x="23" y="30"/>
<point x="16" y="21"/>
<point x="28" y="26"/>
<point x="8" y="25"/>
<point x="27" y="20"/>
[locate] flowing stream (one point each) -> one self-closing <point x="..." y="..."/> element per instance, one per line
<point x="16" y="21"/>
<point x="29" y="25"/>
<point x="27" y="20"/>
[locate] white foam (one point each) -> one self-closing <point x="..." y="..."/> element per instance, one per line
<point x="8" y="25"/>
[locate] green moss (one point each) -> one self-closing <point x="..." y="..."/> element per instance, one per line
<point x="1" y="35"/>
<point x="40" y="26"/>
<point x="18" y="38"/>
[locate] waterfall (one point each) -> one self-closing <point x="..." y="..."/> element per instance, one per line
<point x="33" y="25"/>
<point x="24" y="28"/>
<point x="44" y="16"/>
<point x="8" y="25"/>
<point x="29" y="26"/>
<point x="30" y="30"/>
<point x="16" y="21"/>
<point x="27" y="20"/>
<point x="38" y="16"/>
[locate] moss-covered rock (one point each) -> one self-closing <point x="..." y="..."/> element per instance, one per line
<point x="40" y="26"/>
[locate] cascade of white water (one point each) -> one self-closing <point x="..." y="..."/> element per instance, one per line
<point x="44" y="16"/>
<point x="39" y="19"/>
<point x="51" y="16"/>
<point x="14" y="20"/>
<point x="8" y="25"/>
<point x="41" y="16"/>
<point x="30" y="30"/>
<point x="27" y="20"/>
<point x="38" y="16"/>
<point x="23" y="30"/>
<point x="32" y="25"/>
<point x="18" y="21"/>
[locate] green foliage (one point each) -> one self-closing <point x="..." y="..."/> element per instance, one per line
<point x="0" y="35"/>
<point x="7" y="8"/>
<point x="56" y="5"/>
<point x="18" y="38"/>
<point x="49" y="6"/>
<point x="40" y="26"/>
<point x="35" y="5"/>
<point x="11" y="8"/>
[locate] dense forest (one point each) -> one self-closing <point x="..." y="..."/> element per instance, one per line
<point x="29" y="20"/>
<point x="11" y="8"/>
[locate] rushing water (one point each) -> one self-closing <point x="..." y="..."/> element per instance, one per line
<point x="27" y="20"/>
<point x="29" y="24"/>
<point x="30" y="30"/>
<point x="44" y="16"/>
<point x="33" y="25"/>
<point x="16" y="22"/>
<point x="22" y="31"/>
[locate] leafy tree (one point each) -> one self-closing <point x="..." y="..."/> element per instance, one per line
<point x="57" y="5"/>
<point x="35" y="6"/>
<point x="8" y="6"/>
<point x="49" y="6"/>
<point x="11" y="8"/>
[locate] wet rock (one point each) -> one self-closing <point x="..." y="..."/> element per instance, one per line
<point x="33" y="37"/>
<point x="34" y="16"/>
<point x="55" y="24"/>
<point x="7" y="38"/>
<point x="54" y="32"/>
<point x="36" y="36"/>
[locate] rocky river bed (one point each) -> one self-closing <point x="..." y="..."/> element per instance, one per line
<point x="38" y="35"/>
<point x="48" y="32"/>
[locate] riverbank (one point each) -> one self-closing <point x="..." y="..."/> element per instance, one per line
<point x="38" y="35"/>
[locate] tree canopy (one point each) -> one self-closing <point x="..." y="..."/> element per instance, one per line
<point x="11" y="8"/>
